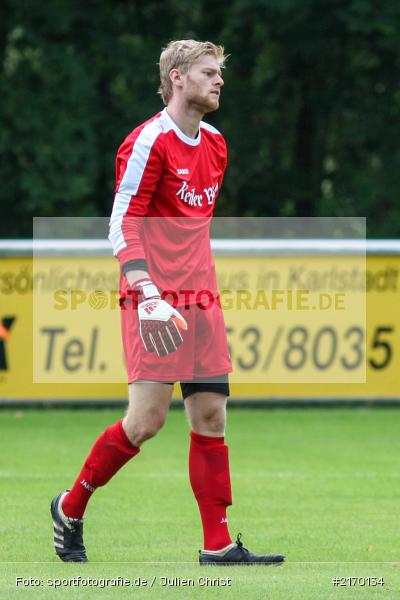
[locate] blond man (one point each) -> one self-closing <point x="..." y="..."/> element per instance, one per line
<point x="169" y="172"/>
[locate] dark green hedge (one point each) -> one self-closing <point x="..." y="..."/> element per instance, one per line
<point x="310" y="107"/>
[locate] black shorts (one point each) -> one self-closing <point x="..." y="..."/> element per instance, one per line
<point x="219" y="384"/>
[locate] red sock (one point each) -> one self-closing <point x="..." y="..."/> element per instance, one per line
<point x="109" y="453"/>
<point x="211" y="485"/>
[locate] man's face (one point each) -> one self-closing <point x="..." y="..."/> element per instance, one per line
<point x="202" y="84"/>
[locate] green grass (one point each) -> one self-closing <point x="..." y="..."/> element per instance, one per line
<point x="321" y="486"/>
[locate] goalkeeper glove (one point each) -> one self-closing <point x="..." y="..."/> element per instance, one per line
<point x="160" y="324"/>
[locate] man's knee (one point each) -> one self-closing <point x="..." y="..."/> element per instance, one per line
<point x="213" y="418"/>
<point x="209" y="416"/>
<point x="147" y="410"/>
<point x="140" y="430"/>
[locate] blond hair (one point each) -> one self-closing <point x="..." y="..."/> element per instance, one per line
<point x="181" y="54"/>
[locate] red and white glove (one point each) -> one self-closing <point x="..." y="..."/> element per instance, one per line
<point x="160" y="324"/>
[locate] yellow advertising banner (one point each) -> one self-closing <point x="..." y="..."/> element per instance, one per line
<point x="298" y="327"/>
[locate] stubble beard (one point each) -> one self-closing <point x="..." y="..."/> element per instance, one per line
<point x="198" y="102"/>
<point x="202" y="105"/>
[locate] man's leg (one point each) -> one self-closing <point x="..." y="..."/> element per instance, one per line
<point x="147" y="410"/>
<point x="210" y="480"/>
<point x="209" y="466"/>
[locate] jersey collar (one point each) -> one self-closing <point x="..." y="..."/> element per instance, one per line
<point x="182" y="136"/>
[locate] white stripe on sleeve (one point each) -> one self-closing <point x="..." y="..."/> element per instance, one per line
<point x="131" y="181"/>
<point x="209" y="127"/>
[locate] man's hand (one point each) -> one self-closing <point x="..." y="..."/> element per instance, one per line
<point x="160" y="323"/>
<point x="160" y="326"/>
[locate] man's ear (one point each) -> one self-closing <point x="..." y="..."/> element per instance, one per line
<point x="176" y="77"/>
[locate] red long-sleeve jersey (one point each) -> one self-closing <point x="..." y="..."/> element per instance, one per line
<point x="166" y="188"/>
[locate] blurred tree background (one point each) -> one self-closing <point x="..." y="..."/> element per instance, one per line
<point x="310" y="107"/>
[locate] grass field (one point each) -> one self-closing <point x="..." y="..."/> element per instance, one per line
<point x="321" y="486"/>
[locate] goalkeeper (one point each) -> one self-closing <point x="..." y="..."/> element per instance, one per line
<point x="169" y="172"/>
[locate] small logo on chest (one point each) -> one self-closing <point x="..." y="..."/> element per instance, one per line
<point x="182" y="171"/>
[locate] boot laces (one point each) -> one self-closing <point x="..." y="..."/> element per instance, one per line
<point x="239" y="544"/>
